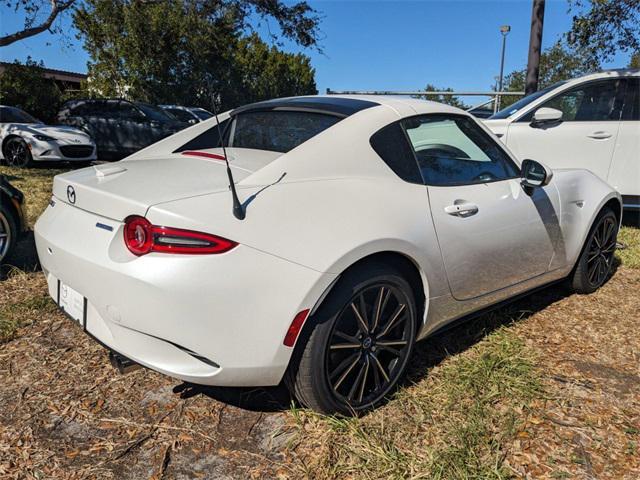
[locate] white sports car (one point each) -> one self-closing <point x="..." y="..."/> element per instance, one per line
<point x="362" y="225"/>
<point x="25" y="139"/>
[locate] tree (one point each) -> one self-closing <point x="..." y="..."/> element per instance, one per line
<point x="603" y="27"/>
<point x="185" y="51"/>
<point x="34" y="22"/>
<point x="24" y="86"/>
<point x="260" y="72"/>
<point x="557" y="63"/>
<point x="446" y="99"/>
<point x="634" y="62"/>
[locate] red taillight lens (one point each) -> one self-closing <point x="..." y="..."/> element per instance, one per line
<point x="137" y="235"/>
<point x="141" y="237"/>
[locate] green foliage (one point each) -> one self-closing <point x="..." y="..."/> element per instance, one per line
<point x="446" y="99"/>
<point x="37" y="16"/>
<point x="634" y="61"/>
<point x="24" y="86"/>
<point x="261" y="72"/>
<point x="189" y="51"/>
<point x="603" y="27"/>
<point x="557" y="63"/>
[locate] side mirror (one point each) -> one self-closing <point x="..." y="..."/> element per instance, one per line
<point x="547" y="115"/>
<point x="535" y="174"/>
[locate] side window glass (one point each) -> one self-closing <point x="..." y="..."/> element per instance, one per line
<point x="593" y="102"/>
<point x="391" y="144"/>
<point x="632" y="102"/>
<point x="208" y="139"/>
<point x="454" y="150"/>
<point x="129" y="112"/>
<point x="181" y="115"/>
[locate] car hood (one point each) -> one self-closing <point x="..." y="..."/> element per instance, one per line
<point x="131" y="187"/>
<point x="59" y="132"/>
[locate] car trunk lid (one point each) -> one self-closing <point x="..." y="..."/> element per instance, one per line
<point x="131" y="187"/>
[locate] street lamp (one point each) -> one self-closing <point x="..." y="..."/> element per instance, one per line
<point x="504" y="30"/>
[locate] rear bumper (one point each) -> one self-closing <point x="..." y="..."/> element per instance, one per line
<point x="208" y="319"/>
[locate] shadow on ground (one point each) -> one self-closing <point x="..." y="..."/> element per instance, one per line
<point x="24" y="257"/>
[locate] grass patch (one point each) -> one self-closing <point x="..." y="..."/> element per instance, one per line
<point x="23" y="298"/>
<point x="36" y="184"/>
<point x="456" y="423"/>
<point x="630" y="256"/>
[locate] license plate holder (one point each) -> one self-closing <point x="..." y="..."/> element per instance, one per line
<point x="73" y="304"/>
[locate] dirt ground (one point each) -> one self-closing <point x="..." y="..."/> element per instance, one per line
<point x="66" y="413"/>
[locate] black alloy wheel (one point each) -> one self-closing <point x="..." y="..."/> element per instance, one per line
<point x="17" y="153"/>
<point x="601" y="250"/>
<point x="369" y="345"/>
<point x="596" y="261"/>
<point x="357" y="344"/>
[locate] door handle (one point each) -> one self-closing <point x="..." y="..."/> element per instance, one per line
<point x="461" y="209"/>
<point x="600" y="135"/>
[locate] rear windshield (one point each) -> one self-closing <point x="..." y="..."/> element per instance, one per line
<point x="273" y="130"/>
<point x="277" y="131"/>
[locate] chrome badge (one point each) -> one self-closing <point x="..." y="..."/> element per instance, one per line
<point x="71" y="194"/>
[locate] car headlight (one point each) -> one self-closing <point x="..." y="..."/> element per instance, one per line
<point x="44" y="138"/>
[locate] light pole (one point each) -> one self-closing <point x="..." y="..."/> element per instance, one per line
<point x="504" y="30"/>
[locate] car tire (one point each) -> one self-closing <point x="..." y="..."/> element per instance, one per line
<point x="8" y="231"/>
<point x="343" y="368"/>
<point x="596" y="260"/>
<point x="16" y="153"/>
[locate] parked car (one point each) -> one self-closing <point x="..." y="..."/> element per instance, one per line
<point x="12" y="218"/>
<point x="363" y="225"/>
<point x="119" y="127"/>
<point x="189" y="115"/>
<point x="590" y="122"/>
<point x="26" y="140"/>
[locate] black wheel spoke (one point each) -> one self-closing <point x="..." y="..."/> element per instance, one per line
<point x="380" y="367"/>
<point x="397" y="315"/>
<point x="362" y="324"/>
<point x="381" y="302"/>
<point x="345" y="346"/>
<point x="364" y="379"/>
<point x="344" y="336"/>
<point x="346" y="363"/>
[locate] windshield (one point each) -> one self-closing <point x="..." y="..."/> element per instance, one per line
<point x="181" y="115"/>
<point x="201" y="113"/>
<point x="523" y="102"/>
<point x="155" y="113"/>
<point x="15" y="115"/>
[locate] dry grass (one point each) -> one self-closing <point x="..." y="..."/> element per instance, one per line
<point x="455" y="423"/>
<point x="630" y="255"/>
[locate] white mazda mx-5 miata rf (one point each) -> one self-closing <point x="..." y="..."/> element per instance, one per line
<point x="346" y="229"/>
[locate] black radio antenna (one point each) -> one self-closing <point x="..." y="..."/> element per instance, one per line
<point x="238" y="210"/>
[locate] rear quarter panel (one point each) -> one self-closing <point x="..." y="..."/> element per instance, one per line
<point x="582" y="196"/>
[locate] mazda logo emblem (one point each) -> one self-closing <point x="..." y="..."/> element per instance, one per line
<point x="71" y="194"/>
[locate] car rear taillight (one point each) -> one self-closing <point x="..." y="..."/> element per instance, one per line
<point x="141" y="237"/>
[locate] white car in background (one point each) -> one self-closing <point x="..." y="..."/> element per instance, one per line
<point x="25" y="139"/>
<point x="591" y="122"/>
<point x="362" y="225"/>
<point x="187" y="114"/>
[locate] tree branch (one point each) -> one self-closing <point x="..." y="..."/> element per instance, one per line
<point x="57" y="7"/>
